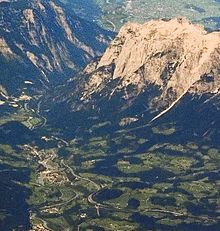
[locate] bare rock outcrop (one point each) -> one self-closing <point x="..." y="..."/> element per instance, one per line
<point x="175" y="56"/>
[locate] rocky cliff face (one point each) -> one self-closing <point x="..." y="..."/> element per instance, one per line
<point x="174" y="56"/>
<point x="147" y="70"/>
<point x="42" y="42"/>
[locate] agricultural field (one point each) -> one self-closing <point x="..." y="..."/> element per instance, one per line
<point x="123" y="181"/>
<point x="113" y="14"/>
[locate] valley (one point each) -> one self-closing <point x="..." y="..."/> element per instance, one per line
<point x="123" y="140"/>
<point x="134" y="178"/>
<point x="114" y="14"/>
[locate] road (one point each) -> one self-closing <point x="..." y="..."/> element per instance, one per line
<point x="60" y="203"/>
<point x="37" y="112"/>
<point x="112" y="24"/>
<point x="109" y="21"/>
<point x="98" y="187"/>
<point x="91" y="200"/>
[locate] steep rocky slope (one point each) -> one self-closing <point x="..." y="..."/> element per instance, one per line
<point x="41" y="42"/>
<point x="147" y="70"/>
<point x="172" y="55"/>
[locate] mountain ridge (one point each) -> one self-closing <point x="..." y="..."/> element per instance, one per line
<point x="193" y="41"/>
<point x="174" y="57"/>
<point x="48" y="39"/>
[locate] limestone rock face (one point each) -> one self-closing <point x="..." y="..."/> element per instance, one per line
<point x="175" y="56"/>
<point x="161" y="70"/>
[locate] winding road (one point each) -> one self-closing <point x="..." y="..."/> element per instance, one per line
<point x="91" y="197"/>
<point x="79" y="177"/>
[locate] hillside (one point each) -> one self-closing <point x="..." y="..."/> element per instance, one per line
<point x="43" y="43"/>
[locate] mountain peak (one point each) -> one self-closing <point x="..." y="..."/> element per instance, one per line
<point x="174" y="55"/>
<point x="158" y="40"/>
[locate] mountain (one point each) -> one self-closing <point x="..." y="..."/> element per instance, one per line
<point x="42" y="43"/>
<point x="141" y="125"/>
<point x="129" y="143"/>
<point x="146" y="71"/>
